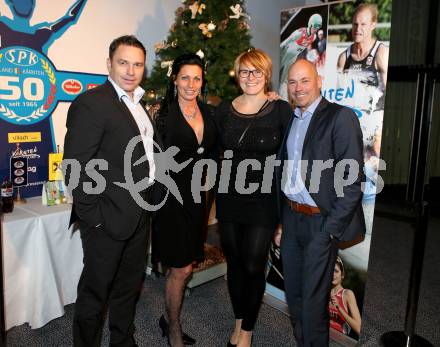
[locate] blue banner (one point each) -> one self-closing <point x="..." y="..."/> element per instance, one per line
<point x="31" y="87"/>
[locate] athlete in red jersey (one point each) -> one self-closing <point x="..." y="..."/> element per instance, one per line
<point x="343" y="309"/>
<point x="337" y="320"/>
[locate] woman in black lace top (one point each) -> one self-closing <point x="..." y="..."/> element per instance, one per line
<point x="251" y="131"/>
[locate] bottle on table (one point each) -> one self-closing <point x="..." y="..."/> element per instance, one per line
<point x="7" y="197"/>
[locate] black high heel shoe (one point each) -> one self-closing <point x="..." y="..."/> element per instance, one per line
<point x="163" y="324"/>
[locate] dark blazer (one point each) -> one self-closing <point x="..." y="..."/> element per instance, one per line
<point x="334" y="133"/>
<point x="100" y="126"/>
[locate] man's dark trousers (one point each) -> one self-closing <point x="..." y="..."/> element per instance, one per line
<point x="309" y="256"/>
<point x="112" y="275"/>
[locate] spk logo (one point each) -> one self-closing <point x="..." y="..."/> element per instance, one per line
<point x="27" y="86"/>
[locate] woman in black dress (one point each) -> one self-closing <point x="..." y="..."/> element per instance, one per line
<point x="178" y="238"/>
<point x="251" y="128"/>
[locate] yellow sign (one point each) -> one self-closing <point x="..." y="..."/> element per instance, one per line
<point x="55" y="173"/>
<point x="24" y="137"/>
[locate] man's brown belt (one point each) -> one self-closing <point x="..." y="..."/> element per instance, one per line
<point x="303" y="208"/>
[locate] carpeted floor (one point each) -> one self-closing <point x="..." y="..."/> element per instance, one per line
<point x="207" y="314"/>
<point x="388" y="278"/>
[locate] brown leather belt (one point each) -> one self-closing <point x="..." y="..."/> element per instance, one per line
<point x="303" y="208"/>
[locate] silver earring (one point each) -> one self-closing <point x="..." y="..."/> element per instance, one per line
<point x="175" y="92"/>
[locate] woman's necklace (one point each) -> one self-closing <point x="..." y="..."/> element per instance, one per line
<point x="335" y="291"/>
<point x="189" y="116"/>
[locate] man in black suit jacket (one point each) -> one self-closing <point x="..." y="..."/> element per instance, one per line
<point x="100" y="124"/>
<point x="320" y="199"/>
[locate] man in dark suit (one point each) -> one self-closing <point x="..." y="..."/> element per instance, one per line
<point x="320" y="199"/>
<point x="100" y="124"/>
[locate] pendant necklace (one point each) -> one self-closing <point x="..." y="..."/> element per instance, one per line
<point x="189" y="116"/>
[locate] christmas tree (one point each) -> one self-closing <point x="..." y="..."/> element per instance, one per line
<point x="217" y="31"/>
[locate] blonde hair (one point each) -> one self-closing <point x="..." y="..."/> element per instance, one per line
<point x="257" y="58"/>
<point x="369" y="7"/>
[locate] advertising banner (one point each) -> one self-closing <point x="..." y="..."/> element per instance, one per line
<point x="348" y="43"/>
<point x="31" y="86"/>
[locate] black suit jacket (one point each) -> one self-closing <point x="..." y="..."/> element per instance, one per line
<point x="100" y="126"/>
<point x="334" y="134"/>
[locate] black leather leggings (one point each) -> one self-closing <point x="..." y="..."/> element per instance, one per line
<point x="246" y="249"/>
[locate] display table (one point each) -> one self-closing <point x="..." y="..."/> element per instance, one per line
<point x="42" y="263"/>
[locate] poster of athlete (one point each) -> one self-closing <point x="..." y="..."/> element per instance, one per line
<point x="31" y="86"/>
<point x="355" y="76"/>
<point x="302" y="36"/>
<point x="349" y="43"/>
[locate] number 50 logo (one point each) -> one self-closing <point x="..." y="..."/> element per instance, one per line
<point x="27" y="86"/>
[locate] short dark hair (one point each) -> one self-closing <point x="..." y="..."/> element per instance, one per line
<point x="128" y="40"/>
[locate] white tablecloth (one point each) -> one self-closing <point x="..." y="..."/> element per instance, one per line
<point x="42" y="263"/>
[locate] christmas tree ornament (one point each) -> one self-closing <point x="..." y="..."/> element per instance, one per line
<point x="167" y="64"/>
<point x="211" y="26"/>
<point x="205" y="31"/>
<point x="231" y="73"/>
<point x="152" y="94"/>
<point x="238" y="12"/>
<point x="219" y="45"/>
<point x="196" y="8"/>
<point x="159" y="46"/>
<point x="200" y="54"/>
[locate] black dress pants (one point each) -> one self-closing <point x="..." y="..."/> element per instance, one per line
<point x="309" y="254"/>
<point x="112" y="277"/>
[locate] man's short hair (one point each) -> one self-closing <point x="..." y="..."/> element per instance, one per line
<point x="369" y="7"/>
<point x="128" y="40"/>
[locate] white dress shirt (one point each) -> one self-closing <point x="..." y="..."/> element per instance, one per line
<point x="142" y="120"/>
